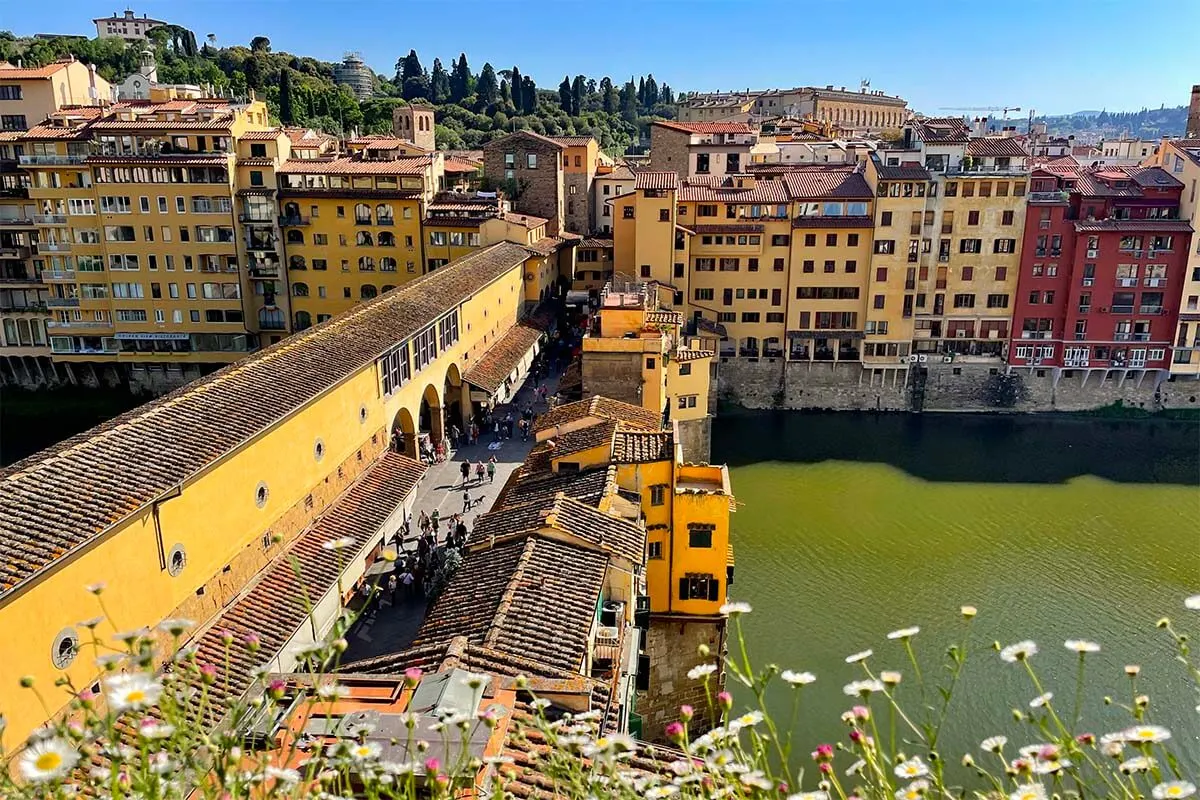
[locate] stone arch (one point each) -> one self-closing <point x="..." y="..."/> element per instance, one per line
<point x="404" y="433"/>
<point x="456" y="395"/>
<point x="429" y="416"/>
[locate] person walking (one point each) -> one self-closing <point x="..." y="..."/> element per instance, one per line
<point x="424" y="522"/>
<point x="466" y="500"/>
<point x="393" y="587"/>
<point x="406" y="580"/>
<point x="465" y="469"/>
<point x="474" y="433"/>
<point x="433" y="520"/>
<point x="491" y="469"/>
<point x="455" y="435"/>
<point x="479" y="472"/>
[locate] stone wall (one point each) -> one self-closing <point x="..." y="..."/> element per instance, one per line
<point x="540" y="190"/>
<point x="695" y="435"/>
<point x="940" y="386"/>
<point x="578" y="206"/>
<point x="673" y="643"/>
<point x="613" y="374"/>
<point x="669" y="150"/>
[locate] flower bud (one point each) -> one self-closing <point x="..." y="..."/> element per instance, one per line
<point x="703" y="650"/>
<point x="686" y="713"/>
<point x="724" y="701"/>
<point x="26" y="681"/>
<point x="674" y="732"/>
<point x="1132" y="670"/>
<point x="412" y="676"/>
<point x="1164" y="622"/>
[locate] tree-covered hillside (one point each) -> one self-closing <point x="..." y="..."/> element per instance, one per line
<point x="472" y="107"/>
<point x="1149" y="123"/>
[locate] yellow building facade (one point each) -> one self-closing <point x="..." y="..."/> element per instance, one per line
<point x="1181" y="157"/>
<point x="176" y="514"/>
<point x="30" y="94"/>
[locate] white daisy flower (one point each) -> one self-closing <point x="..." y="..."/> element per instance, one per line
<point x="132" y="691"/>
<point x="732" y="609"/>
<point x="1021" y="651"/>
<point x="913" y="768"/>
<point x="175" y="626"/>
<point x="809" y="796"/>
<point x="904" y="633"/>
<point x="1152" y="734"/>
<point x="913" y="791"/>
<point x="1041" y="700"/>
<point x="890" y="677"/>
<point x="863" y="688"/>
<point x="1029" y="791"/>
<point x="1081" y="646"/>
<point x="154" y="729"/>
<point x="797" y="678"/>
<point x="331" y="690"/>
<point x="48" y="759"/>
<point x="339" y="544"/>
<point x="701" y="670"/>
<point x="659" y="792"/>
<point x="282" y="775"/>
<point x="1174" y="790"/>
<point x="756" y="780"/>
<point x="363" y="751"/>
<point x="1193" y="604"/>
<point x="857" y="657"/>
<point x="855" y="768"/>
<point x="1050" y="767"/>
<point x="1138" y="764"/>
<point x="993" y="744"/>
<point x="747" y="720"/>
<point x="127" y="637"/>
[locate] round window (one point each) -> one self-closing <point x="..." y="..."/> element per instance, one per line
<point x="261" y="494"/>
<point x="65" y="648"/>
<point x="319" y="450"/>
<point x="362" y="414"/>
<point x="176" y="560"/>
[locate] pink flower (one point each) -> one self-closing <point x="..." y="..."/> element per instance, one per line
<point x="412" y="676"/>
<point x="252" y="641"/>
<point x="86" y="698"/>
<point x="825" y="767"/>
<point x="441" y="780"/>
<point x="1086" y="738"/>
<point x="686" y="712"/>
<point x="725" y="700"/>
<point x="856" y="735"/>
<point x="275" y="688"/>
<point x="861" y="712"/>
<point x="824" y="752"/>
<point x="674" y="731"/>
<point x="208" y="673"/>
<point x="1048" y="753"/>
<point x="783" y="788"/>
<point x="432" y="765"/>
<point x="226" y="637"/>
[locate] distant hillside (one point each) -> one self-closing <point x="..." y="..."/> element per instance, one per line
<point x="1149" y="123"/>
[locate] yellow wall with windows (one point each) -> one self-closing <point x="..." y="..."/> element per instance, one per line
<point x="444" y="243"/>
<point x="644" y="245"/>
<point x="353" y="259"/>
<point x="688" y="379"/>
<point x="216" y="516"/>
<point x="828" y="258"/>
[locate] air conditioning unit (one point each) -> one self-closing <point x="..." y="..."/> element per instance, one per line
<point x="924" y="358"/>
<point x="1093" y="253"/>
<point x="1089" y="281"/>
<point x="1127" y="282"/>
<point x="960" y="334"/>
<point x="1156" y="282"/>
<point x="947" y="359"/>
<point x="913" y="359"/>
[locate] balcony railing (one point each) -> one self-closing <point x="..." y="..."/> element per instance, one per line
<point x="1035" y="334"/>
<point x="1156" y="310"/>
<point x="51" y="161"/>
<point x="58" y="275"/>
<point x="1141" y="337"/>
<point x="63" y="302"/>
<point x="78" y="324"/>
<point x="265" y="272"/>
<point x="257" y="219"/>
<point x="54" y="247"/>
<point x="1122" y="337"/>
<point x="1047" y="197"/>
<point x="50" y="219"/>
<point x="298" y="220"/>
<point x="1121" y="309"/>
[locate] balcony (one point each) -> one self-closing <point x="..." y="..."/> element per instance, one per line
<point x="1122" y="337"/>
<point x="1127" y="283"/>
<point x="1121" y="309"/>
<point x="54" y="247"/>
<point x="298" y="220"/>
<point x="1155" y="310"/>
<point x="50" y="219"/>
<point x="1035" y="334"/>
<point x="1048" y="197"/>
<point x="272" y="324"/>
<point x="265" y="271"/>
<point x="15" y="223"/>
<point x="1141" y="337"/>
<point x="63" y="302"/>
<point x="51" y="161"/>
<point x="16" y="251"/>
<point x="257" y="219"/>
<point x="78" y="324"/>
<point x="30" y="308"/>
<point x="54" y="275"/>
<point x="1154" y="283"/>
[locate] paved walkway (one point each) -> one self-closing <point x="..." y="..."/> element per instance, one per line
<point x="393" y="628"/>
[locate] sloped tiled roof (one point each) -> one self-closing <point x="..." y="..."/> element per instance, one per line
<point x="639" y="447"/>
<point x="273" y="608"/>
<point x="904" y="172"/>
<point x="490" y="371"/>
<point x="576" y="441"/>
<point x="655" y="180"/>
<point x="944" y="130"/>
<point x="841" y="181"/>
<point x="457" y="165"/>
<point x="60" y="500"/>
<point x="612" y="534"/>
<point x="725" y="190"/>
<point x="993" y="146"/>
<point x="601" y="408"/>
<point x="531" y="597"/>
<point x="707" y="127"/>
<point x="593" y="242"/>
<point x="588" y="486"/>
<point x="269" y="135"/>
<point x="10" y="72"/>
<point x="573" y="141"/>
<point x="527" y="221"/>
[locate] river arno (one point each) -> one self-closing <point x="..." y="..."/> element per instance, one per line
<point x="853" y="525"/>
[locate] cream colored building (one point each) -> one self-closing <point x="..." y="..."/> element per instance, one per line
<point x="604" y="189"/>
<point x="127" y="26"/>
<point x="1181" y="157"/>
<point x="30" y="94"/>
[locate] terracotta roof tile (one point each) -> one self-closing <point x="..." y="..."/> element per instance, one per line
<point x="269" y="135"/>
<point x="656" y="180"/>
<point x="9" y="72"/>
<point x="573" y="141"/>
<point x="105" y="476"/>
<point x="600" y="408"/>
<point x="639" y="447"/>
<point x="273" y="607"/>
<point x="592" y="243"/>
<point x="942" y="129"/>
<point x="525" y="486"/>
<point x="415" y="165"/>
<point x="59" y="132"/>
<point x="707" y="127"/>
<point x="506" y="354"/>
<point x="687" y="354"/>
<point x="531" y="597"/>
<point x="985" y="146"/>
<point x="575" y="441"/>
<point x="588" y="524"/>
<point x="841" y="181"/>
<point x="904" y="172"/>
<point x="726" y="191"/>
<point x="833" y="222"/>
<point x="458" y="165"/>
<point x="528" y="221"/>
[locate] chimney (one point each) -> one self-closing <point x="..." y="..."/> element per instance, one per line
<point x="980" y="126"/>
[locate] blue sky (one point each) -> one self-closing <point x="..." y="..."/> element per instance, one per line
<point x="1056" y="57"/>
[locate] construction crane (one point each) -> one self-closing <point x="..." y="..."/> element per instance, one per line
<point x="989" y="109"/>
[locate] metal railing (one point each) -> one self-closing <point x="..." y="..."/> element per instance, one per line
<point x="58" y="274"/>
<point x="62" y="302"/>
<point x="50" y="219"/>
<point x="51" y="160"/>
<point x="54" y="247"/>
<point x="298" y="220"/>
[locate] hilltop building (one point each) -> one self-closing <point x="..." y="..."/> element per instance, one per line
<point x="863" y="111"/>
<point x="355" y="74"/>
<point x="127" y="26"/>
<point x="30" y="94"/>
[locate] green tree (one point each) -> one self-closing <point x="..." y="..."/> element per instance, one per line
<point x="518" y="92"/>
<point x="564" y="94"/>
<point x="629" y="101"/>
<point x="641" y="91"/>
<point x="414" y="83"/>
<point x="651" y="98"/>
<point x="488" y="88"/>
<point x="529" y="95"/>
<point x="439" y="83"/>
<point x="665" y="96"/>
<point x="286" y="115"/>
<point x="608" y="96"/>
<point x="577" y="91"/>
<point x="460" y="80"/>
<point x="260" y="44"/>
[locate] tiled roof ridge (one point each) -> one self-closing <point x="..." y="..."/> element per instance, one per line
<point x="495" y="627"/>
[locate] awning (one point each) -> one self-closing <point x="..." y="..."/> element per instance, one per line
<point x="503" y="358"/>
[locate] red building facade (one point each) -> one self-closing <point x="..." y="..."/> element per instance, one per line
<point x="1102" y="268"/>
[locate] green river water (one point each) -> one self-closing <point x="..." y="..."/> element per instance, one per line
<point x="853" y="525"/>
